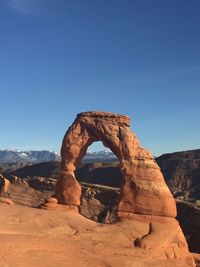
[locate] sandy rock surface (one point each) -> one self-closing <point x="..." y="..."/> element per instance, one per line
<point x="62" y="237"/>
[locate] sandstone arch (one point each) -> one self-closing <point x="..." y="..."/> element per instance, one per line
<point x="143" y="190"/>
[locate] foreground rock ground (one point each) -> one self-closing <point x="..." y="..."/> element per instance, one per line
<point x="62" y="237"/>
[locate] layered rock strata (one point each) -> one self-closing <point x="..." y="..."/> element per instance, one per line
<point x="143" y="190"/>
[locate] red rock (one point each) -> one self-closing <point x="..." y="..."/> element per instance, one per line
<point x="143" y="189"/>
<point x="52" y="200"/>
<point x="144" y="196"/>
<point x="4" y="185"/>
<point x="6" y="201"/>
<point x="50" y="203"/>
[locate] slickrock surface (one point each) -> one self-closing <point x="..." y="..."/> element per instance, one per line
<point x="143" y="189"/>
<point x="62" y="237"/>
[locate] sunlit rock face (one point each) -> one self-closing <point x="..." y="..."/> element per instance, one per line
<point x="144" y="198"/>
<point x="143" y="189"/>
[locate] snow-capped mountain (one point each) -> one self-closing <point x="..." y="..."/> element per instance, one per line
<point x="16" y="156"/>
<point x="100" y="156"/>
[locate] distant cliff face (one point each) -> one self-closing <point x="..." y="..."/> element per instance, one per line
<point x="182" y="172"/>
<point x="103" y="173"/>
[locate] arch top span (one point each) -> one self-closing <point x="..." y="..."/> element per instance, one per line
<point x="143" y="189"/>
<point x="115" y="117"/>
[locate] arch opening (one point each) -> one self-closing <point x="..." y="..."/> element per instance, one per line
<point x="100" y="179"/>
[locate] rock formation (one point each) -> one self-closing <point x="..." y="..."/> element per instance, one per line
<point x="144" y="196"/>
<point x="5" y="200"/>
<point x="4" y="185"/>
<point x="50" y="203"/>
<point x="182" y="173"/>
<point x="143" y="189"/>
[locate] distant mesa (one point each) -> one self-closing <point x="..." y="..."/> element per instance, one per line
<point x="182" y="171"/>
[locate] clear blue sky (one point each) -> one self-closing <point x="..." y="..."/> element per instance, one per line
<point x="134" y="57"/>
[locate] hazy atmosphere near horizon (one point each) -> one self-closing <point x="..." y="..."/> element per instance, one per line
<point x="135" y="57"/>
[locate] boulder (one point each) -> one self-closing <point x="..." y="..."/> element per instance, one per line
<point x="5" y="200"/>
<point x="50" y="203"/>
<point x="4" y="185"/>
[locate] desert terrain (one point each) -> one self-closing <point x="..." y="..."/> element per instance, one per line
<point x="131" y="223"/>
<point x="62" y="237"/>
<point x="94" y="236"/>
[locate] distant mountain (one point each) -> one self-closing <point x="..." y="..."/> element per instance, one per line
<point x="16" y="156"/>
<point x="100" y="156"/>
<point x="20" y="156"/>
